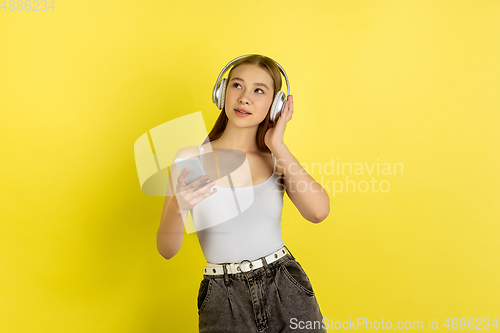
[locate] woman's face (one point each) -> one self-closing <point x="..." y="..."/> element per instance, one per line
<point x="251" y="89"/>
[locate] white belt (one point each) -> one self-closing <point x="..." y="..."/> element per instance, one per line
<point x="243" y="266"/>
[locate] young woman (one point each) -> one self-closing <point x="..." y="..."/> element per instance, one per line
<point x="252" y="282"/>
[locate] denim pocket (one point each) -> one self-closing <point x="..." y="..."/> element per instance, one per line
<point x="203" y="293"/>
<point x="296" y="274"/>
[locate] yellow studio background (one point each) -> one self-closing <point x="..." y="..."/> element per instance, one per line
<point x="413" y="83"/>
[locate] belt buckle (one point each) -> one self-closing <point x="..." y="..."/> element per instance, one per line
<point x="239" y="268"/>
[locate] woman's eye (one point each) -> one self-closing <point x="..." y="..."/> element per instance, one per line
<point x="237" y="85"/>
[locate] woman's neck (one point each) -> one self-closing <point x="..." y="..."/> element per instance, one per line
<point x="241" y="138"/>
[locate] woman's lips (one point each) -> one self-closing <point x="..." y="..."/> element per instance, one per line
<point x="241" y="114"/>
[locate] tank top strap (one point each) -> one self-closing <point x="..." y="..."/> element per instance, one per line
<point x="201" y="149"/>
<point x="274" y="157"/>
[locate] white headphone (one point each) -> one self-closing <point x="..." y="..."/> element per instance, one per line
<point x="219" y="92"/>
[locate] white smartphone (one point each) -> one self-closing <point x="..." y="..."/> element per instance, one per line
<point x="195" y="170"/>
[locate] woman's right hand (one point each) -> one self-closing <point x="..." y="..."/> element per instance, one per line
<point x="187" y="198"/>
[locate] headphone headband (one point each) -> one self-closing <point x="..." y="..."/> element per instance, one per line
<point x="238" y="58"/>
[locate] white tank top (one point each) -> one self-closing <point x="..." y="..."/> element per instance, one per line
<point x="240" y="223"/>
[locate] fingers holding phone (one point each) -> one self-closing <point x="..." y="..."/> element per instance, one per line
<point x="193" y="185"/>
<point x="189" y="195"/>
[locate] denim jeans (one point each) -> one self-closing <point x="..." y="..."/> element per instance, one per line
<point x="275" y="298"/>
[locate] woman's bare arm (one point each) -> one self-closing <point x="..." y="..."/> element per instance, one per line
<point x="308" y="195"/>
<point x="171" y="231"/>
<point x="177" y="205"/>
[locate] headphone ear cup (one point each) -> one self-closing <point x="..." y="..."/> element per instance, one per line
<point x="222" y="94"/>
<point x="278" y="106"/>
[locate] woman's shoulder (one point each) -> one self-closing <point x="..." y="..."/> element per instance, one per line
<point x="188" y="151"/>
<point x="258" y="159"/>
<point x="262" y="159"/>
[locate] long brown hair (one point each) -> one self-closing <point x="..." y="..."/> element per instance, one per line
<point x="269" y="66"/>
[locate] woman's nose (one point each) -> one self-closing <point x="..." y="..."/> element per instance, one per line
<point x="244" y="98"/>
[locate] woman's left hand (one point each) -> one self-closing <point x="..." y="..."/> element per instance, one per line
<point x="274" y="135"/>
